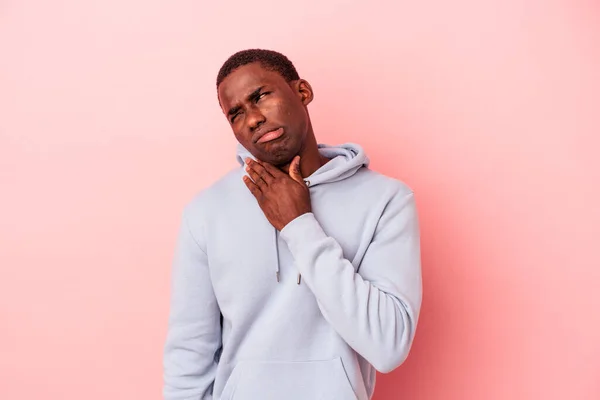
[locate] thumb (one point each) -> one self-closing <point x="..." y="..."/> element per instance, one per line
<point x="295" y="173"/>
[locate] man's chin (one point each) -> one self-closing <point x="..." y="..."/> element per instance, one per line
<point x="278" y="159"/>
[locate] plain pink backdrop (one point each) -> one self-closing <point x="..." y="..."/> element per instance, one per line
<point x="109" y="123"/>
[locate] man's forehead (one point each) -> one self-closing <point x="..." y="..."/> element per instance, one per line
<point x="244" y="80"/>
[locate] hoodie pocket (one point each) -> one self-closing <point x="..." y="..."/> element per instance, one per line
<point x="314" y="380"/>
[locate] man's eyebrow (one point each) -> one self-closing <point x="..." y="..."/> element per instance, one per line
<point x="254" y="94"/>
<point x="233" y="110"/>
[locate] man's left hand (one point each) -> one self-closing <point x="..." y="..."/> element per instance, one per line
<point x="281" y="197"/>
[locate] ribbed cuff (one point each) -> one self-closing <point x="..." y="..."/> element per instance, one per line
<point x="301" y="231"/>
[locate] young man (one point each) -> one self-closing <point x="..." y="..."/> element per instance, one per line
<point x="297" y="276"/>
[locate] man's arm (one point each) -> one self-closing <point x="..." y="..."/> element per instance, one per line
<point x="194" y="331"/>
<point x="376" y="310"/>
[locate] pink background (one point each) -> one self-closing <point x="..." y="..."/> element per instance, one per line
<point x="109" y="123"/>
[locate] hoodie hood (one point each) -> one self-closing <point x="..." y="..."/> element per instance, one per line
<point x="345" y="160"/>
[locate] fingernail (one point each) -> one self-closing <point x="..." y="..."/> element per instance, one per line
<point x="248" y="160"/>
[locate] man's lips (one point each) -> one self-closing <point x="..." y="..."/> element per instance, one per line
<point x="271" y="135"/>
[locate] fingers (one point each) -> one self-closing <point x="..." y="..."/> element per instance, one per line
<point x="270" y="169"/>
<point x="258" y="169"/>
<point x="257" y="178"/>
<point x="254" y="189"/>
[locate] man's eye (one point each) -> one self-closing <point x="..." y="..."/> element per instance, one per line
<point x="234" y="117"/>
<point x="260" y="96"/>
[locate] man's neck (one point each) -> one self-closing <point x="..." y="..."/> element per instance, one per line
<point x="310" y="158"/>
<point x="308" y="164"/>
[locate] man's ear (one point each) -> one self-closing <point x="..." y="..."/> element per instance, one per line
<point x="304" y="91"/>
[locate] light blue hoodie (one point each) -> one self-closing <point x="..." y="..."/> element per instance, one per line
<point x="243" y="326"/>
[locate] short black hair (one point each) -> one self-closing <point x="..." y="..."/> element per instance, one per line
<point x="269" y="59"/>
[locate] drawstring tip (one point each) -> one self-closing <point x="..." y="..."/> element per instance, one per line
<point x="299" y="279"/>
<point x="277" y="275"/>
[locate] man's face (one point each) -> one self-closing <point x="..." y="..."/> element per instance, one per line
<point x="260" y="105"/>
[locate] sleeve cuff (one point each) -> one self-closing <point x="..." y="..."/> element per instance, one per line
<point x="300" y="231"/>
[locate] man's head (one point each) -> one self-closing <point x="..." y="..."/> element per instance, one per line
<point x="262" y="96"/>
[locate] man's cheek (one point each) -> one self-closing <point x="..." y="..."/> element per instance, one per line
<point x="279" y="110"/>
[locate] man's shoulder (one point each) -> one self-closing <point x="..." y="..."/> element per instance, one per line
<point x="379" y="182"/>
<point x="216" y="193"/>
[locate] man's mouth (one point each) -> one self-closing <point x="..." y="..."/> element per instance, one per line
<point x="271" y="135"/>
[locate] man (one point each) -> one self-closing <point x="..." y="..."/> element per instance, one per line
<point x="298" y="276"/>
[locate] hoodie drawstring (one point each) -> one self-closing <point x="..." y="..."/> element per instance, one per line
<point x="277" y="256"/>
<point x="277" y="270"/>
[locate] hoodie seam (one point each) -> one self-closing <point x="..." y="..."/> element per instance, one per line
<point x="404" y="201"/>
<point x="187" y="225"/>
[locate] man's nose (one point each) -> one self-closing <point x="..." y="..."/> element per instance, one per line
<point x="255" y="118"/>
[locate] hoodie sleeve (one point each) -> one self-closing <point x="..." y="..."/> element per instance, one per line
<point x="375" y="310"/>
<point x="194" y="329"/>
